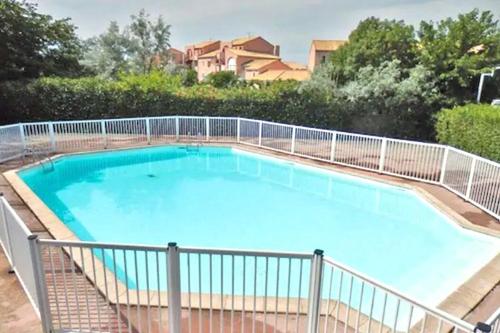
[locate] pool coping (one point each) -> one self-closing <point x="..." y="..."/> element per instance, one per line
<point x="459" y="303"/>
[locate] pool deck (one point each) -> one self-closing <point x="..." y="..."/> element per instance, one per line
<point x="475" y="300"/>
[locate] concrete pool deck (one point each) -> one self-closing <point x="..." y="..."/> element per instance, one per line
<point x="475" y="299"/>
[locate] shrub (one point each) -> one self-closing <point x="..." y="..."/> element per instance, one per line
<point x="473" y="127"/>
<point x="223" y="79"/>
<point x="160" y="94"/>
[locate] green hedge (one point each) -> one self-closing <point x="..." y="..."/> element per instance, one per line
<point x="94" y="98"/>
<point x="473" y="127"/>
<point x="159" y="94"/>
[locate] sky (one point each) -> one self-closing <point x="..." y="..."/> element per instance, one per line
<point x="292" y="24"/>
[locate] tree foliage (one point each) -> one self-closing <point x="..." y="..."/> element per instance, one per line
<point x="140" y="47"/>
<point x="34" y="44"/>
<point x="223" y="79"/>
<point x="459" y="50"/>
<point x="373" y="42"/>
<point x="109" y="54"/>
<point x="391" y="100"/>
<point x="152" y="41"/>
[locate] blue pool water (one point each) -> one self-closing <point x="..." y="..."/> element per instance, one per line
<point x="222" y="197"/>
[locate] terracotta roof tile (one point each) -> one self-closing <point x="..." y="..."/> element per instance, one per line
<point x="250" y="54"/>
<point x="243" y="40"/>
<point x="295" y="65"/>
<point x="258" y="63"/>
<point x="212" y="54"/>
<point x="272" y="75"/>
<point x="205" y="43"/>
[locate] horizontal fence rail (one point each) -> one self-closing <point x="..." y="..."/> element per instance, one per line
<point x="473" y="178"/>
<point x="101" y="287"/>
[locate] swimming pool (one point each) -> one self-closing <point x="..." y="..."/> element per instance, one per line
<point x="224" y="197"/>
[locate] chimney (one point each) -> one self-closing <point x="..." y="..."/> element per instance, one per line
<point x="276" y="50"/>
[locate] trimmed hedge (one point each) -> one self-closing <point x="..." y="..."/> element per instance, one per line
<point x="93" y="98"/>
<point x="473" y="127"/>
<point x="160" y="94"/>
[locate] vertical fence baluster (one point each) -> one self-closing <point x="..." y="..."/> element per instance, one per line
<point x="471" y="178"/>
<point x="174" y="289"/>
<point x="40" y="283"/>
<point x="315" y="291"/>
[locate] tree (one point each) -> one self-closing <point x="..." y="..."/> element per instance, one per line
<point x="140" y="47"/>
<point x="457" y="51"/>
<point x="152" y="41"/>
<point x="373" y="42"/>
<point x="34" y="44"/>
<point x="322" y="82"/>
<point x="110" y="53"/>
<point x="392" y="100"/>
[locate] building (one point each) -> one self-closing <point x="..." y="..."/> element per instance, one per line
<point x="320" y="50"/>
<point x="248" y="57"/>
<point x="177" y="56"/>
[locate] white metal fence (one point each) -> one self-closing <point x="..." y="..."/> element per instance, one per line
<point x="473" y="178"/>
<point x="15" y="243"/>
<point x="101" y="287"/>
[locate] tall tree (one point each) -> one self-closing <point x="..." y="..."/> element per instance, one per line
<point x="373" y="42"/>
<point x="458" y="50"/>
<point x="34" y="44"/>
<point x="139" y="48"/>
<point x="152" y="41"/>
<point x="110" y="53"/>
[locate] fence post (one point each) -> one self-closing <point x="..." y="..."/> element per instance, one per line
<point x="443" y="165"/>
<point x="8" y="246"/>
<point x="383" y="149"/>
<point x="52" y="137"/>
<point x="315" y="292"/>
<point x="238" y="130"/>
<point x="103" y="131"/>
<point x="148" y="131"/>
<point x="294" y="129"/>
<point x="260" y="133"/>
<point x="177" y="128"/>
<point x="174" y="289"/>
<point x="208" y="128"/>
<point x="332" y="151"/>
<point x="23" y="136"/>
<point x="40" y="284"/>
<point x="471" y="177"/>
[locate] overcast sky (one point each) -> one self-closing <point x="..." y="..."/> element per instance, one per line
<point x="290" y="23"/>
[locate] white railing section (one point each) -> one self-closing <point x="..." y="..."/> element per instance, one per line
<point x="101" y="287"/>
<point x="11" y="142"/>
<point x="15" y="243"/>
<point x="473" y="178"/>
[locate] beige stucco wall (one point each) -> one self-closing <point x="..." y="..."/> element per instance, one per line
<point x="206" y="66"/>
<point x="316" y="58"/>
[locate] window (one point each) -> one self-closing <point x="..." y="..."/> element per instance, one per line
<point x="323" y="59"/>
<point x="231" y="64"/>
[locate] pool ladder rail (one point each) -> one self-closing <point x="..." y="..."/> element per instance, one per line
<point x="40" y="156"/>
<point x="194" y="146"/>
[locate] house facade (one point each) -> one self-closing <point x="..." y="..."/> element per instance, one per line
<point x="320" y="51"/>
<point x="247" y="57"/>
